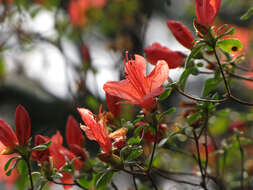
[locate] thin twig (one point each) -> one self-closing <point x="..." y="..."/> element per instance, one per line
<point x="199" y="99"/>
<point x="242" y="162"/>
<point x="114" y="186"/>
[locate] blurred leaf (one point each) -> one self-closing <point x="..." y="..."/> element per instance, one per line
<point x="2" y="68"/>
<point x="165" y="94"/>
<point x="168" y="112"/>
<point x="210" y="85"/>
<point x="22" y="167"/>
<point x="42" y="147"/>
<point x="220" y="126"/>
<point x="8" y="173"/>
<point x="134" y="140"/>
<point x="104" y="179"/>
<point x="7" y="164"/>
<point x="193" y="118"/>
<point x="193" y="53"/>
<point x="230" y="45"/>
<point x="247" y="15"/>
<point x="184" y="76"/>
<point x="135" y="153"/>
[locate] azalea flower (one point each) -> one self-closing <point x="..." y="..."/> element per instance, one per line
<point x="181" y="33"/>
<point x="206" y="11"/>
<point x="139" y="88"/>
<point x="156" y="52"/>
<point x="23" y="131"/>
<point x="96" y="129"/>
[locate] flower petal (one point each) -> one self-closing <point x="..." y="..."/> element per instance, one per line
<point x="7" y="135"/>
<point x="181" y="33"/>
<point x="122" y="89"/>
<point x="23" y="125"/>
<point x="73" y="132"/>
<point x="158" y="76"/>
<point x="156" y="52"/>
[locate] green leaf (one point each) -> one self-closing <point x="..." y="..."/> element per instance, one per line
<point x="165" y="94"/>
<point x="168" y="112"/>
<point x="42" y="147"/>
<point x="193" y="118"/>
<point x="184" y="76"/>
<point x="135" y="153"/>
<point x="104" y="179"/>
<point x="210" y="85"/>
<point x="247" y="15"/>
<point x="22" y="167"/>
<point x="193" y="54"/>
<point x="230" y="45"/>
<point x="6" y="166"/>
<point x="8" y="173"/>
<point x="86" y="181"/>
<point x="134" y="140"/>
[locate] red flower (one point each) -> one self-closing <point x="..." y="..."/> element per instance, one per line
<point x="41" y="156"/>
<point x="181" y="33"/>
<point x="139" y="88"/>
<point x="206" y="11"/>
<point x="156" y="52"/>
<point x="23" y="131"/>
<point x="23" y="125"/>
<point x="113" y="104"/>
<point x="96" y="130"/>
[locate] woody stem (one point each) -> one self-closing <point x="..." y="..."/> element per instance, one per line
<point x="29" y="172"/>
<point x="155" y="144"/>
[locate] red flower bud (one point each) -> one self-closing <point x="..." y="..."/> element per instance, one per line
<point x="206" y="11"/>
<point x="156" y="52"/>
<point x="23" y="125"/>
<point x="181" y="33"/>
<point x="7" y="137"/>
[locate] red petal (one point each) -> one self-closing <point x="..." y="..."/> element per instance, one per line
<point x="23" y="125"/>
<point x="7" y="136"/>
<point x="122" y="89"/>
<point x="73" y="132"/>
<point x="98" y="130"/>
<point x="57" y="139"/>
<point x="158" y="76"/>
<point x="156" y="52"/>
<point x="181" y="33"/>
<point x="206" y="11"/>
<point x="41" y="156"/>
<point x="112" y="103"/>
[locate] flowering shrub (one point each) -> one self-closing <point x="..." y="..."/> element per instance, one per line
<point x="202" y="143"/>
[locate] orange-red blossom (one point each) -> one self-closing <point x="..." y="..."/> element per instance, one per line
<point x="23" y="130"/>
<point x="139" y="88"/>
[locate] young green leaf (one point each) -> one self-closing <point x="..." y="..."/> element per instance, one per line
<point x="230" y="45"/>
<point x="247" y="15"/>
